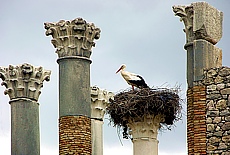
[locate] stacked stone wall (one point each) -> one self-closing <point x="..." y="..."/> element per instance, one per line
<point x="75" y="135"/>
<point x="217" y="81"/>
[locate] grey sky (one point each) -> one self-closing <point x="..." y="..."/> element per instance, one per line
<point x="145" y="35"/>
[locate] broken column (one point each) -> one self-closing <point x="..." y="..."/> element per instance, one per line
<point x="203" y="28"/>
<point x="141" y="113"/>
<point x="99" y="101"/>
<point x="23" y="84"/>
<point x="73" y="41"/>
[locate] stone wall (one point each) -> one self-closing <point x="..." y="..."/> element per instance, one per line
<point x="208" y="113"/>
<point x="217" y="81"/>
<point x="75" y="135"/>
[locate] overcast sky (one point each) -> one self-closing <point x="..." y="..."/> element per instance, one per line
<point x="145" y="35"/>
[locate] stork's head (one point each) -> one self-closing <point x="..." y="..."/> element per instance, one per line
<point x="123" y="66"/>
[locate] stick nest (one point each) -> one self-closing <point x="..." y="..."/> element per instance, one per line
<point x="136" y="104"/>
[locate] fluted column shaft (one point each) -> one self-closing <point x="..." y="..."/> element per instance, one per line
<point x="23" y="85"/>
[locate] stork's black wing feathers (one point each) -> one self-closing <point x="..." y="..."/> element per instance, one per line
<point x="139" y="83"/>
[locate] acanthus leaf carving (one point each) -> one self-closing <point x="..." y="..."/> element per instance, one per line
<point x="99" y="101"/>
<point x="186" y="15"/>
<point x="73" y="38"/>
<point x="145" y="128"/>
<point x="201" y="20"/>
<point x="23" y="81"/>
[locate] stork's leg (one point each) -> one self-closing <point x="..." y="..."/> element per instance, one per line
<point x="133" y="87"/>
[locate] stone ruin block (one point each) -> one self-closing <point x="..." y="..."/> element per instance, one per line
<point x="207" y="22"/>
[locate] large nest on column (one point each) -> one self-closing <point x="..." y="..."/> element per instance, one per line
<point x="136" y="104"/>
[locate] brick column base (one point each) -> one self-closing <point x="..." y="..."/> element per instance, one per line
<point x="196" y="120"/>
<point x="75" y="135"/>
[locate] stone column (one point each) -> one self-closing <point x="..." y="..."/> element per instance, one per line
<point x="73" y="41"/>
<point x="23" y="84"/>
<point x="99" y="101"/>
<point x="144" y="134"/>
<point x="203" y="28"/>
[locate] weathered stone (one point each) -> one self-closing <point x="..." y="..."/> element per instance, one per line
<point x="99" y="101"/>
<point x="220" y="86"/>
<point x="218" y="79"/>
<point x="73" y="38"/>
<point x="225" y="153"/>
<point x="227" y="118"/>
<point x="211" y="105"/>
<point x="217" y="120"/>
<point x="23" y="81"/>
<point x="211" y="88"/>
<point x="23" y="85"/>
<point x="214" y="140"/>
<point x="214" y="96"/>
<point x="221" y="104"/>
<point x="228" y="132"/>
<point x="204" y="17"/>
<point x="209" y="134"/>
<point x="206" y="55"/>
<point x="226" y="138"/>
<point x="209" y="120"/>
<point x="224" y="71"/>
<point x="144" y="133"/>
<point x="211" y="73"/>
<point x="218" y="134"/>
<point x="222" y="146"/>
<point x="225" y="113"/>
<point x="211" y="147"/>
<point x="220" y="124"/>
<point x="198" y="19"/>
<point x="217" y="128"/>
<point x="210" y="127"/>
<point x="213" y="113"/>
<point x="224" y="96"/>
<point x="226" y="126"/>
<point x="225" y="133"/>
<point x="225" y="91"/>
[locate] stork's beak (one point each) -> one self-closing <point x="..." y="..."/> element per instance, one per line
<point x="118" y="70"/>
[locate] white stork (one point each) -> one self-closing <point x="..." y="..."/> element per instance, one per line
<point x="132" y="79"/>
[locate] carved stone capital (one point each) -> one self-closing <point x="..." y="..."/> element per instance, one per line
<point x="201" y="20"/>
<point x="145" y="128"/>
<point x="23" y="81"/>
<point x="73" y="38"/>
<point x="99" y="101"/>
<point x="186" y="15"/>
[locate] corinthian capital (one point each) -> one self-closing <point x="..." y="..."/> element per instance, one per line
<point x="73" y="38"/>
<point x="186" y="15"/>
<point x="146" y="128"/>
<point x="201" y="20"/>
<point x="99" y="101"/>
<point x="23" y="81"/>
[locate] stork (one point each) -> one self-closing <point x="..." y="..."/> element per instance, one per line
<point x="132" y="79"/>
